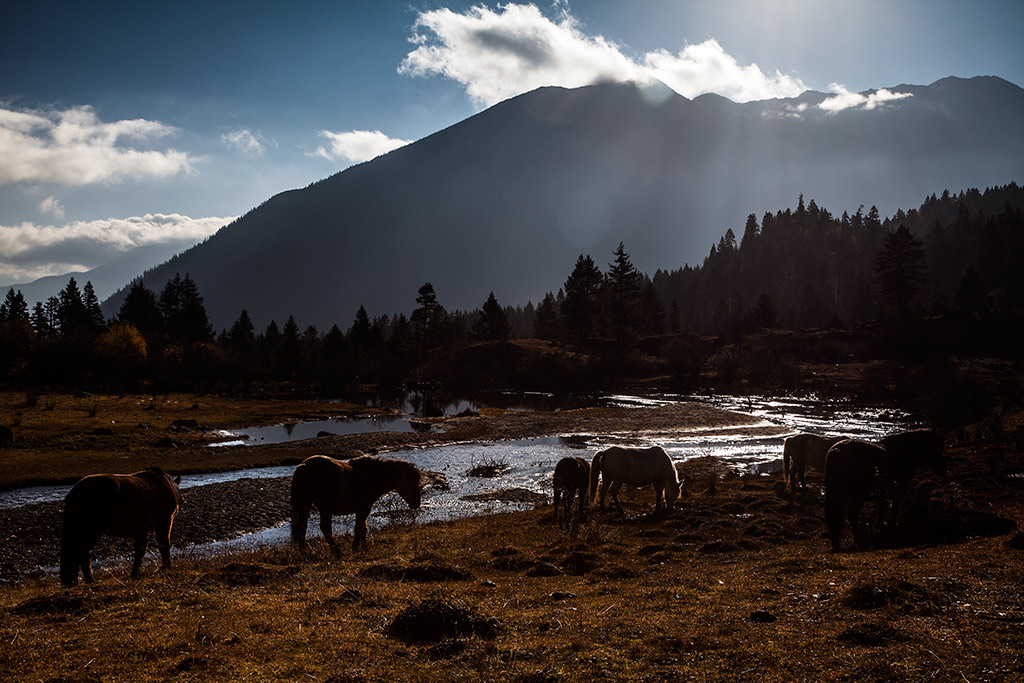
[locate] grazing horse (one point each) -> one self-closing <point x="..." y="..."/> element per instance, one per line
<point x="905" y="452"/>
<point x="857" y="470"/>
<point x="343" y="487"/>
<point x="802" y="450"/>
<point x="636" y="467"/>
<point x="122" y="505"/>
<point x="572" y="477"/>
<point x="851" y="477"/>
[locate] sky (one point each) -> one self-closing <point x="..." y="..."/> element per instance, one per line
<point x="128" y="124"/>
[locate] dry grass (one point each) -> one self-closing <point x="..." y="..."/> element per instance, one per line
<point x="731" y="586"/>
<point x="63" y="437"/>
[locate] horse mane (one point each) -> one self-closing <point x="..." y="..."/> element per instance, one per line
<point x="373" y="465"/>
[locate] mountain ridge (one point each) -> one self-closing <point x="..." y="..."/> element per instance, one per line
<point x="505" y="200"/>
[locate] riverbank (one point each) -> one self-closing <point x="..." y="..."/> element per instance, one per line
<point x="61" y="438"/>
<point x="734" y="584"/>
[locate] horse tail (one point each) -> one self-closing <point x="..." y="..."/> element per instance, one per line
<point x="595" y="473"/>
<point x="301" y="504"/>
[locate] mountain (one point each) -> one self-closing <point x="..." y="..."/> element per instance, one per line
<point x="107" y="278"/>
<point x="507" y="199"/>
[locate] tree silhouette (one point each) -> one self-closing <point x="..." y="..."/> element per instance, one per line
<point x="242" y="335"/>
<point x="94" y="314"/>
<point x="492" y="324"/>
<point x="184" y="312"/>
<point x="623" y="295"/>
<point x="762" y="315"/>
<point x="546" y="324"/>
<point x="428" y="317"/>
<point x="140" y="309"/>
<point x="579" y="309"/>
<point x="901" y="271"/>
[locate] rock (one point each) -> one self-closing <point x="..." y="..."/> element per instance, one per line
<point x="6" y="435"/>
<point x="559" y="595"/>
<point x="762" y="617"/>
<point x="186" y="424"/>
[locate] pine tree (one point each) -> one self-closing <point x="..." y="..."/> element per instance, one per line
<point x="361" y="332"/>
<point x="901" y="271"/>
<point x="492" y="325"/>
<point x="140" y="309"/>
<point x="242" y="335"/>
<point x="763" y="315"/>
<point x="14" y="308"/>
<point x="71" y="312"/>
<point x="428" y="317"/>
<point x="94" y="313"/>
<point x="546" y="324"/>
<point x="579" y="309"/>
<point x="623" y="290"/>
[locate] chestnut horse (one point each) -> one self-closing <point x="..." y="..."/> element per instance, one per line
<point x="802" y="450"/>
<point x="857" y="470"/>
<point x="636" y="467"/>
<point x="343" y="487"/>
<point x="122" y="505"/>
<point x="572" y="477"/>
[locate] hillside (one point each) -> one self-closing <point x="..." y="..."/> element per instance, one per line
<point x="507" y="199"/>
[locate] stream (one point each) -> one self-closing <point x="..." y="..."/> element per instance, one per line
<point x="527" y="465"/>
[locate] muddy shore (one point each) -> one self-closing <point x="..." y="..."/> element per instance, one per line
<point x="227" y="510"/>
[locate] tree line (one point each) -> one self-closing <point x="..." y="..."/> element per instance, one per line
<point x="795" y="269"/>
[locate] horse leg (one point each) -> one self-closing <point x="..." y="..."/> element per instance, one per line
<point x="659" y="497"/>
<point x="360" y="530"/>
<point x="558" y="492"/>
<point x="163" y="541"/>
<point x="615" y="496"/>
<point x="325" y="529"/>
<point x="140" y="551"/>
<point x="853" y="515"/>
<point x="85" y="560"/>
<point x="605" y="483"/>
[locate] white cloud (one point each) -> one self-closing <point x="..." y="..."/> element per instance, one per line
<point x="73" y="147"/>
<point x="51" y="207"/>
<point x="29" y="251"/>
<point x="357" y="145"/>
<point x="495" y="55"/>
<point x="245" y="141"/>
<point x="844" y="99"/>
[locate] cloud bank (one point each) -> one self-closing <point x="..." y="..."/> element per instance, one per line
<point x="73" y="147"/>
<point x="497" y="54"/>
<point x="29" y="251"/>
<point x="357" y="145"/>
<point x="844" y="99"/>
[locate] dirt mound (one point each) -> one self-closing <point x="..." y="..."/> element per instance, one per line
<point x="434" y="620"/>
<point x="902" y="595"/>
<point x="871" y="635"/>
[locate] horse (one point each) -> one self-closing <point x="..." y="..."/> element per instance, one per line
<point x="636" y="467"/>
<point x="857" y="470"/>
<point x="851" y="477"/>
<point x="802" y="450"/>
<point x="343" y="487"/>
<point x="121" y="505"/>
<point x="906" y="452"/>
<point x="572" y="477"/>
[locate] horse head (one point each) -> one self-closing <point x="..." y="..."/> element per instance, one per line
<point x="408" y="485"/>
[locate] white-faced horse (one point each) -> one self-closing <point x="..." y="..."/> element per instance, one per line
<point x="637" y="467"/>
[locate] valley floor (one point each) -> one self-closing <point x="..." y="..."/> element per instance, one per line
<point x="734" y="584"/>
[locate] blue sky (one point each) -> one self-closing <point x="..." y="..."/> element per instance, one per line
<point x="129" y="124"/>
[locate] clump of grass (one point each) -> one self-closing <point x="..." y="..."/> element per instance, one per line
<point x="434" y="619"/>
<point x="490" y="468"/>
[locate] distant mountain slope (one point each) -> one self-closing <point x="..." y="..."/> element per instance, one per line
<point x="106" y="279"/>
<point x="507" y="199"/>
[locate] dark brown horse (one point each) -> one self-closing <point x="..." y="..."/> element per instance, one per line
<point x="343" y="487"/>
<point x="856" y="471"/>
<point x="802" y="450"/>
<point x="572" y="477"/>
<point x="122" y="505"/>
